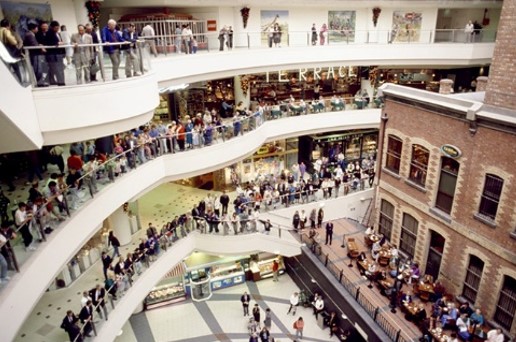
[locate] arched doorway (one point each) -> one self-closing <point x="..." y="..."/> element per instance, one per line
<point x="435" y="254"/>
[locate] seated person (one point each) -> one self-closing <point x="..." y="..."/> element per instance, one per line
<point x="362" y="256"/>
<point x="451" y="315"/>
<point x="428" y="279"/>
<point x="414" y="273"/>
<point x="462" y="326"/>
<point x="302" y="105"/>
<point x="465" y="309"/>
<point x="371" y="271"/>
<point x="495" y="335"/>
<point x="333" y="323"/>
<point x="406" y="298"/>
<point x="369" y="231"/>
<point x="375" y="249"/>
<point x="477" y="318"/>
<point x="439" y="291"/>
<point x="420" y="316"/>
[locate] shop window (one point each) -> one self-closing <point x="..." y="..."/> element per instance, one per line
<point x="408" y="235"/>
<point x="394" y="146"/>
<point x="473" y="277"/>
<point x="419" y="164"/>
<point x="386" y="218"/>
<point x="447" y="183"/>
<point x="490" y="196"/>
<point x="506" y="307"/>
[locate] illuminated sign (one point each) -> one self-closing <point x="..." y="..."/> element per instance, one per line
<point x="451" y="151"/>
<point x="317" y="72"/>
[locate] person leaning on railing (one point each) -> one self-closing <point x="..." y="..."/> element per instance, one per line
<point x="82" y="55"/>
<point x="110" y="34"/>
<point x="132" y="61"/>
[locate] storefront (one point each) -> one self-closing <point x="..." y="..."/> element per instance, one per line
<point x="354" y="144"/>
<point x="261" y="265"/>
<point x="270" y="159"/>
<point x="170" y="289"/>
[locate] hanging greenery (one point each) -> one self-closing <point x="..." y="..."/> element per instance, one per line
<point x="245" y="15"/>
<point x="93" y="8"/>
<point x="376" y="15"/>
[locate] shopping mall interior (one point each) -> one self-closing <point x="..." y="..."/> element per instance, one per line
<point x="320" y="171"/>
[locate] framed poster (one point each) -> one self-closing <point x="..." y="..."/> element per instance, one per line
<point x="406" y="26"/>
<point x="342" y="26"/>
<point x="21" y="13"/>
<point x="274" y="28"/>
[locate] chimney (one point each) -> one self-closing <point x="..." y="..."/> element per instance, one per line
<point x="481" y="83"/>
<point x="446" y="86"/>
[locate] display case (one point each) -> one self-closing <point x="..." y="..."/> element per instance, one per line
<point x="261" y="267"/>
<point x="168" y="291"/>
<point x="226" y="275"/>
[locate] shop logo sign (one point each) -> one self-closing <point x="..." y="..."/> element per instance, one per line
<point x="451" y="151"/>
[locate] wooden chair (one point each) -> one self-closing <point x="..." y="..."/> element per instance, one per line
<point x="352" y="248"/>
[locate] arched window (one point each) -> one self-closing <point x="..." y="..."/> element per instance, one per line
<point x="473" y="277"/>
<point x="394" y="147"/>
<point x="419" y="164"/>
<point x="506" y="307"/>
<point x="408" y="235"/>
<point x="490" y="196"/>
<point x="447" y="183"/>
<point x="386" y="218"/>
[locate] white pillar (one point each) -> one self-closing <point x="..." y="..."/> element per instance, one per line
<point x="120" y="224"/>
<point x="239" y="93"/>
<point x="81" y="15"/>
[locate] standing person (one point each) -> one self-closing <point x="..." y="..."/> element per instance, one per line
<point x="265" y="334"/>
<point x="230" y="38"/>
<point x="277" y="35"/>
<point x="22" y="220"/>
<point x="69" y="325"/>
<point x="3" y="262"/>
<point x="35" y="54"/>
<point x="468" y="31"/>
<point x="222" y="35"/>
<point x="302" y="219"/>
<point x="106" y="262"/>
<point x="177" y="38"/>
<point x="224" y="201"/>
<point x="329" y="232"/>
<point x="275" y="269"/>
<point x="113" y="241"/>
<point x="245" y="299"/>
<point x="82" y="55"/>
<point x="55" y="56"/>
<point x="86" y="317"/>
<point x="41" y="36"/>
<point x="110" y="34"/>
<point x="97" y="297"/>
<point x="268" y="320"/>
<point x="148" y="34"/>
<point x="314" y="34"/>
<point x="298" y="327"/>
<point x="270" y="35"/>
<point x="294" y="302"/>
<point x="8" y="37"/>
<point x="186" y="37"/>
<point x="132" y="61"/>
<point x="318" y="306"/>
<point x="323" y="34"/>
<point x="320" y="217"/>
<point x="333" y="323"/>
<point x="296" y="220"/>
<point x="66" y="39"/>
<point x="313" y="218"/>
<point x="256" y="314"/>
<point x="94" y="68"/>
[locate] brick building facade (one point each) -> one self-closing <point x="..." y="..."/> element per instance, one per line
<point x="446" y="194"/>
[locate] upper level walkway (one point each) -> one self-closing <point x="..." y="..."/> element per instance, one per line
<point x="75" y="112"/>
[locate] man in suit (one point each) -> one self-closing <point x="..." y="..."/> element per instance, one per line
<point x="329" y="232"/>
<point x="94" y="68"/>
<point x="97" y="297"/>
<point x="245" y="299"/>
<point x="132" y="62"/>
<point x="69" y="325"/>
<point x="86" y="317"/>
<point x="82" y="55"/>
<point x="55" y="56"/>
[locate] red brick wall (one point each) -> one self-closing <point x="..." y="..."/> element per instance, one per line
<point x="501" y="88"/>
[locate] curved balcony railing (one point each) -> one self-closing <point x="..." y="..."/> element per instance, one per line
<point x="90" y="63"/>
<point x="67" y="198"/>
<point x="211" y="41"/>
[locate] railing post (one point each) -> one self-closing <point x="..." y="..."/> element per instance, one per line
<point x="326" y="261"/>
<point x="398" y="334"/>
<point x="140" y="56"/>
<point x="340" y="275"/>
<point x="101" y="63"/>
<point x="357" y="294"/>
<point x="367" y="38"/>
<point x="248" y="41"/>
<point x="376" y="313"/>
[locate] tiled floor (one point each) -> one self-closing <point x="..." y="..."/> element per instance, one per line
<point x="221" y="317"/>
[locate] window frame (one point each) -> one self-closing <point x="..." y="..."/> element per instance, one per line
<point x="393" y="155"/>
<point x="408" y="233"/>
<point x="384" y="217"/>
<point x="441" y="194"/>
<point x="417" y="165"/>
<point x="505" y="310"/>
<point x="473" y="273"/>
<point x="491" y="197"/>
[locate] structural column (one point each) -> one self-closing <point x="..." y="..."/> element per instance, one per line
<point x="120" y="224"/>
<point x="239" y="92"/>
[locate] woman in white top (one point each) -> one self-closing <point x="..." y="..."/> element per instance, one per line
<point x="468" y="31"/>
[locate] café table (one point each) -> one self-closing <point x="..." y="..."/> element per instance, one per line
<point x="439" y="336"/>
<point x="369" y="239"/>
<point x="384" y="285"/>
<point x="364" y="265"/>
<point x="425" y="290"/>
<point x="360" y="104"/>
<point x="384" y="256"/>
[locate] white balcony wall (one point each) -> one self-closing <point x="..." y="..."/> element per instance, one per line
<point x="20" y="295"/>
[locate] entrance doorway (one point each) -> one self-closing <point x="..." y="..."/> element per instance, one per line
<point x="435" y="254"/>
